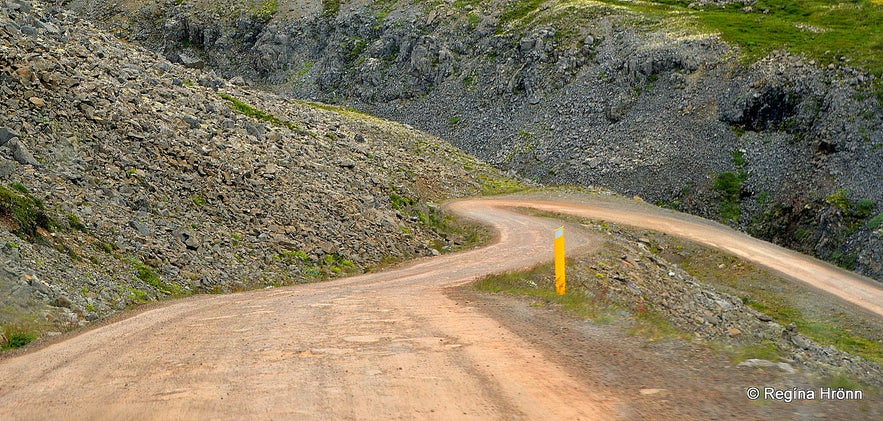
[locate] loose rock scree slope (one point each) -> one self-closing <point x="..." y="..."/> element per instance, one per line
<point x="156" y="180"/>
<point x="387" y="344"/>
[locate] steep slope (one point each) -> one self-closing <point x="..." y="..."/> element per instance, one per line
<point x="125" y="178"/>
<point x="643" y="98"/>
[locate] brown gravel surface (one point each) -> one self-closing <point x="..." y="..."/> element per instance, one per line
<point x="388" y="345"/>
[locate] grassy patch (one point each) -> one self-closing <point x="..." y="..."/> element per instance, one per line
<point x="357" y="46"/>
<point x="821" y="30"/>
<point x="763" y="350"/>
<point x="265" y="10"/>
<point x="146" y="274"/>
<point x="842" y="381"/>
<point x="839" y="200"/>
<point x="137" y="296"/>
<point x="328" y="266"/>
<point x="580" y="300"/>
<point x="652" y="325"/>
<point x="875" y="222"/>
<point x="860" y="209"/>
<point x="19" y="187"/>
<point x="452" y="234"/>
<point x="306" y="69"/>
<point x="27" y="212"/>
<point x="534" y="283"/>
<point x="250" y="111"/>
<point x="18" y="340"/>
<point x="729" y="186"/>
<point x="106" y="247"/>
<point x="330" y="8"/>
<point x="75" y="223"/>
<point x="494" y="186"/>
<point x="337" y="264"/>
<point x="198" y="200"/>
<point x="292" y="257"/>
<point x="19" y="334"/>
<point x="519" y="9"/>
<point x="399" y="202"/>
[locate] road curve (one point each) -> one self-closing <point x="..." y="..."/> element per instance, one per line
<point x="855" y="289"/>
<point x="382" y="345"/>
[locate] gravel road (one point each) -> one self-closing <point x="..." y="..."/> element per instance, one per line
<point x="386" y="345"/>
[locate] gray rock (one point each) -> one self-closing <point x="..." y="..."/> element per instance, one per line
<point x="754" y="363"/>
<point x="191" y="60"/>
<point x="141" y="228"/>
<point x="39" y="285"/>
<point x="191" y="241"/>
<point x="11" y="251"/>
<point x="256" y="130"/>
<point x="802" y="341"/>
<point x="29" y="30"/>
<point x="711" y="319"/>
<point x="192" y="121"/>
<point x="7" y="134"/>
<point x="22" y="6"/>
<point x="211" y="82"/>
<point x="62" y="301"/>
<point x="47" y="26"/>
<point x="724" y="304"/>
<point x="21" y="154"/>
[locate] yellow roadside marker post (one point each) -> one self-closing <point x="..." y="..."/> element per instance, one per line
<point x="560" y="281"/>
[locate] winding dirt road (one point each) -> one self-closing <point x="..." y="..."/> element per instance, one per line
<point x="386" y="345"/>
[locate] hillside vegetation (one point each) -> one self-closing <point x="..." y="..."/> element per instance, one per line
<point x="829" y="32"/>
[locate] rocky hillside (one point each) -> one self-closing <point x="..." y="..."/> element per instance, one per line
<point x="646" y="99"/>
<point x="125" y="178"/>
